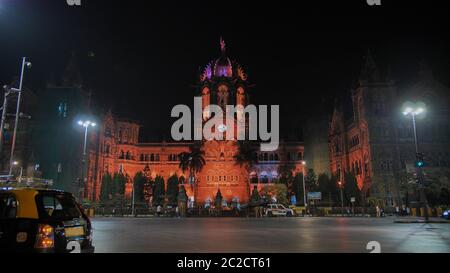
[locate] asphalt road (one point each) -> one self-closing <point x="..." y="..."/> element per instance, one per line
<point x="271" y="235"/>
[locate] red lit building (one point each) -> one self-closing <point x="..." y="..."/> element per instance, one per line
<point x="370" y="138"/>
<point x="116" y="147"/>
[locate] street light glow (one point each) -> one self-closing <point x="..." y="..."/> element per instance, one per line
<point x="86" y="123"/>
<point x="15" y="163"/>
<point x="407" y="111"/>
<point x="303" y="162"/>
<point x="413" y="108"/>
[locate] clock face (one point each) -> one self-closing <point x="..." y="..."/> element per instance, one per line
<point x="222" y="128"/>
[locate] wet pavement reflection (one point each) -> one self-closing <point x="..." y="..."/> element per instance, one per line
<point x="272" y="235"/>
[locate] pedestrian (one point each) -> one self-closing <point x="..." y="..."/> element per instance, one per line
<point x="158" y="210"/>
<point x="378" y="211"/>
<point x="408" y="211"/>
<point x="177" y="212"/>
<point x="397" y="210"/>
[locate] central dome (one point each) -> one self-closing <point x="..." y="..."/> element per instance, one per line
<point x="223" y="67"/>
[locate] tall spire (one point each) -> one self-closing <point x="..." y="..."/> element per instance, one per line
<point x="369" y="71"/>
<point x="222" y="46"/>
<point x="72" y="75"/>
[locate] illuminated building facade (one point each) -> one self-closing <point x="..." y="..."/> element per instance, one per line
<point x="116" y="146"/>
<point x="374" y="141"/>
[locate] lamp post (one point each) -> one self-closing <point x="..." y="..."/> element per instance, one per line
<point x="16" y="163"/>
<point x="86" y="124"/>
<point x="9" y="91"/>
<point x="304" y="186"/>
<point x="132" y="201"/>
<point x="413" y="110"/>
<point x="342" y="198"/>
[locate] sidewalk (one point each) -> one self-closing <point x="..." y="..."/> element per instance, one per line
<point x="415" y="220"/>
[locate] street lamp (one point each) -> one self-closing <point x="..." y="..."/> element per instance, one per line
<point x="413" y="110"/>
<point x="16" y="163"/>
<point x="86" y="124"/>
<point x="9" y="91"/>
<point x="304" y="186"/>
<point x="342" y="197"/>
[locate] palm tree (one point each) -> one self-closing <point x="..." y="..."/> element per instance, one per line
<point x="246" y="157"/>
<point x="193" y="161"/>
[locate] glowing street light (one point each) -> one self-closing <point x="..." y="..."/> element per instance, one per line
<point x="413" y="110"/>
<point x="86" y="124"/>
<point x="16" y="163"/>
<point x="342" y="197"/>
<point x="304" y="187"/>
<point x="10" y="91"/>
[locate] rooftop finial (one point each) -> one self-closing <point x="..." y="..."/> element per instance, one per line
<point x="222" y="45"/>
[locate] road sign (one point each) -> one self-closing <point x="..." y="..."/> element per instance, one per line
<point x="314" y="195"/>
<point x="352" y="199"/>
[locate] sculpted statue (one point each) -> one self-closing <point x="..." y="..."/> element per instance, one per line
<point x="218" y="200"/>
<point x="256" y="202"/>
<point x="182" y="201"/>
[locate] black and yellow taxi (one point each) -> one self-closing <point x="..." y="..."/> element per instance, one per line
<point x="42" y="220"/>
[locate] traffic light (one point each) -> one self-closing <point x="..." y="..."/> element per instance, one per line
<point x="419" y="160"/>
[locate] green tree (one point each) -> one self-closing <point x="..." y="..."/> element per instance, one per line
<point x="119" y="181"/>
<point x="351" y="189"/>
<point x="105" y="188"/>
<point x="193" y="160"/>
<point x="159" y="191"/>
<point x="297" y="188"/>
<point x="246" y="156"/>
<point x="139" y="181"/>
<point x="444" y="197"/>
<point x="311" y="181"/>
<point x="327" y="186"/>
<point x="172" y="190"/>
<point x="285" y="172"/>
<point x="277" y="190"/>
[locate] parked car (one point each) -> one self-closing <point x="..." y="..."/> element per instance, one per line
<point x="278" y="210"/>
<point x="42" y="220"/>
<point x="445" y="214"/>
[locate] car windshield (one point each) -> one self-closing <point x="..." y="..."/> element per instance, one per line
<point x="58" y="206"/>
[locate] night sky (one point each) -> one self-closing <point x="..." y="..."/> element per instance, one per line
<point x="147" y="56"/>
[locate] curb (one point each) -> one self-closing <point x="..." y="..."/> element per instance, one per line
<point x="422" y="222"/>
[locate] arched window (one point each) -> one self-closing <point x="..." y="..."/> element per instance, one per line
<point x="264" y="177"/>
<point x="274" y="176"/>
<point x="266" y="157"/>
<point x="271" y="157"/>
<point x="300" y="156"/>
<point x="128" y="156"/>
<point x="141" y="158"/>
<point x="157" y="157"/>
<point x="277" y="158"/>
<point x="152" y="157"/>
<point x="205" y="102"/>
<point x="253" y="178"/>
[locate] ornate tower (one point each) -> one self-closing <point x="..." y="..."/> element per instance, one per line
<point x="223" y="82"/>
